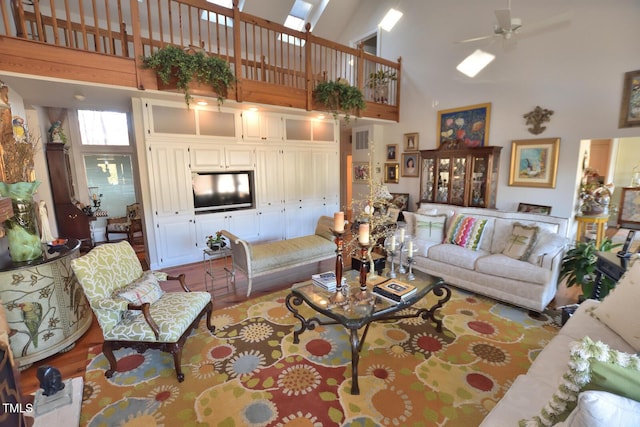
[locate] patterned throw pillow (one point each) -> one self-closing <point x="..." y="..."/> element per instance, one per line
<point x="430" y="227"/>
<point x="145" y="289"/>
<point x="466" y="231"/>
<point x="521" y="241"/>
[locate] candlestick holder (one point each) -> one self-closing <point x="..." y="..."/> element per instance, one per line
<point x="410" y="275"/>
<point x="392" y="272"/>
<point x="363" y="294"/>
<point x="401" y="268"/>
<point x="339" y="297"/>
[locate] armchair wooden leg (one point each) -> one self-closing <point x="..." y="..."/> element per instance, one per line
<point x="211" y="327"/>
<point x="177" y="357"/>
<point x="107" y="350"/>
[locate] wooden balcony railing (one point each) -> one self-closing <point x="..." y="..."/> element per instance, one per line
<point x="273" y="64"/>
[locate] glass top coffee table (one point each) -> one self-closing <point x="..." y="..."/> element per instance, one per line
<point x="358" y="313"/>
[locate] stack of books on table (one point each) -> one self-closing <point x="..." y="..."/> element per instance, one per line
<point x="394" y="291"/>
<point x="327" y="280"/>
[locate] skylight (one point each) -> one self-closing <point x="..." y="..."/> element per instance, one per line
<point x="303" y="11"/>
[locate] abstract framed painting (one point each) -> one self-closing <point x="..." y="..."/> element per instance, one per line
<point x="465" y="126"/>
<point x="534" y="162"/>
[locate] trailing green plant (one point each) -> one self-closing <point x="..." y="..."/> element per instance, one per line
<point x="381" y="78"/>
<point x="339" y="97"/>
<point x="579" y="268"/>
<point x="173" y="62"/>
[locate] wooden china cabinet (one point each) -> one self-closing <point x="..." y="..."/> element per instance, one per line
<point x="460" y="176"/>
<point x="72" y="221"/>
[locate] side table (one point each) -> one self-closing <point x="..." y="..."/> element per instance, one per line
<point x="599" y="221"/>
<point x="208" y="258"/>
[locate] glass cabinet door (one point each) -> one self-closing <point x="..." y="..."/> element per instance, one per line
<point x="443" y="180"/>
<point x="427" y="187"/>
<point x="479" y="181"/>
<point x="459" y="170"/>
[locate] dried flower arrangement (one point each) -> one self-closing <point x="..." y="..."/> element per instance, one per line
<point x="18" y="159"/>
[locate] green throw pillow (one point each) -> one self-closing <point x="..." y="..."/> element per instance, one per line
<point x="592" y="366"/>
<point x="430" y="227"/>
<point x="521" y="241"/>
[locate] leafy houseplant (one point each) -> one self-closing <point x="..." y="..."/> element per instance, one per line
<point x="579" y="265"/>
<point x="339" y="97"/>
<point x="172" y="62"/>
<point x="379" y="82"/>
<point x="216" y="242"/>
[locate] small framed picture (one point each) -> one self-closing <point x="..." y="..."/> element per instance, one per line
<point x="411" y="142"/>
<point x="360" y="171"/>
<point x="392" y="149"/>
<point x="391" y="174"/>
<point x="410" y="164"/>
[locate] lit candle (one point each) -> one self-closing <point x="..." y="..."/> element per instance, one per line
<point x="402" y="231"/>
<point x="393" y="243"/>
<point x="338" y="222"/>
<point x="363" y="233"/>
<point x="410" y="249"/>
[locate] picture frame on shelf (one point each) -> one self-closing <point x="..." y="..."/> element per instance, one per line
<point x="630" y="105"/>
<point x="391" y="173"/>
<point x="468" y="126"/>
<point x="360" y="172"/>
<point x="411" y="141"/>
<point x="529" y="208"/>
<point x="410" y="164"/>
<point x="534" y="162"/>
<point x="392" y="150"/>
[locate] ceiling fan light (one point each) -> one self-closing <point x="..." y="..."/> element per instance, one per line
<point x="475" y="62"/>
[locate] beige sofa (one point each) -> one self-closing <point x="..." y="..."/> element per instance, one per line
<point x="258" y="259"/>
<point x="529" y="283"/>
<point x="613" y="322"/>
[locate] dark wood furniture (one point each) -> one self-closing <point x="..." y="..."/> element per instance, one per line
<point x="72" y="221"/>
<point x="608" y="264"/>
<point x="460" y="176"/>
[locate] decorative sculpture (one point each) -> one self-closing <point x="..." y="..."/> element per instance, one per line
<point x="50" y="380"/>
<point x="536" y="118"/>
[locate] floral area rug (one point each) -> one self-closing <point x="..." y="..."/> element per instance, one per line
<point x="250" y="373"/>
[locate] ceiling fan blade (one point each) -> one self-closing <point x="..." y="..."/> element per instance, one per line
<point x="549" y="23"/>
<point x="475" y="39"/>
<point x="504" y="18"/>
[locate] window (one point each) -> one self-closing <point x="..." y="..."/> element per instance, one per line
<point x="303" y="11"/>
<point x="111" y="175"/>
<point x="213" y="17"/>
<point x="103" y="128"/>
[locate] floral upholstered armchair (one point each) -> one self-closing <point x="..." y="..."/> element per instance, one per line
<point x="131" y="307"/>
<point x="129" y="224"/>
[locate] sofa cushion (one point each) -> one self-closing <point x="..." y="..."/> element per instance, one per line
<point x="455" y="255"/>
<point x="282" y="253"/>
<point x="507" y="267"/>
<point x="430" y="228"/>
<point x="521" y="241"/>
<point x="502" y="232"/>
<point x="547" y="244"/>
<point x="466" y="231"/>
<point x="602" y="409"/>
<point x="588" y="359"/>
<point x="324" y="227"/>
<point x="146" y="289"/>
<point x="619" y="311"/>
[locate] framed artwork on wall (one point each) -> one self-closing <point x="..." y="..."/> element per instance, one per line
<point x="630" y="107"/>
<point x="391" y="174"/>
<point x="411" y="142"/>
<point x="360" y="172"/>
<point x="410" y="164"/>
<point x="465" y="126"/>
<point x="392" y="150"/>
<point x="528" y="207"/>
<point x="534" y="162"/>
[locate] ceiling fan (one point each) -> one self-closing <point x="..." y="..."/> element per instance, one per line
<point x="508" y="26"/>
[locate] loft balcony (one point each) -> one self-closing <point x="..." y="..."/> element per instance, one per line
<point x="104" y="41"/>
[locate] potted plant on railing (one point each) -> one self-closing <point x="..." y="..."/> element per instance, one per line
<point x="579" y="268"/>
<point x="172" y="63"/>
<point x="379" y="83"/>
<point x="339" y="97"/>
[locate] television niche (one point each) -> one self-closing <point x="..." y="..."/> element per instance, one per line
<point x="222" y="191"/>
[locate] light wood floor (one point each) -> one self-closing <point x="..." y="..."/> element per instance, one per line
<point x="73" y="362"/>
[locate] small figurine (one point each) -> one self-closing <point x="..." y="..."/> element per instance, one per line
<point x="50" y="380"/>
<point x="56" y="134"/>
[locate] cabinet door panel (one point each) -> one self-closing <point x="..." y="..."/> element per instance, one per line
<point x="207" y="159"/>
<point x="172" y="180"/>
<point x="244" y="224"/>
<point x="239" y="157"/>
<point x="176" y="240"/>
<point x="269" y="181"/>
<point x="272" y="224"/>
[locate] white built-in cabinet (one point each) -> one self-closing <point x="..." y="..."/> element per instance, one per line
<point x="295" y="181"/>
<point x="261" y="127"/>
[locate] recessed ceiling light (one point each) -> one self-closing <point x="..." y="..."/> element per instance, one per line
<point x="254" y="109"/>
<point x="79" y="97"/>
<point x="320" y="116"/>
<point x="202" y="102"/>
<point x="475" y="62"/>
<point x="390" y="19"/>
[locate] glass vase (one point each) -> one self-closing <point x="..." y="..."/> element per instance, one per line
<point x="22" y="229"/>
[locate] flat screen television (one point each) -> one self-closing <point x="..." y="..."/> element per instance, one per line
<point x="219" y="191"/>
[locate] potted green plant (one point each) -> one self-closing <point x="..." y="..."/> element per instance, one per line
<point x="579" y="266"/>
<point x="216" y="242"/>
<point x="339" y="97"/>
<point x="379" y="82"/>
<point x="172" y="63"/>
